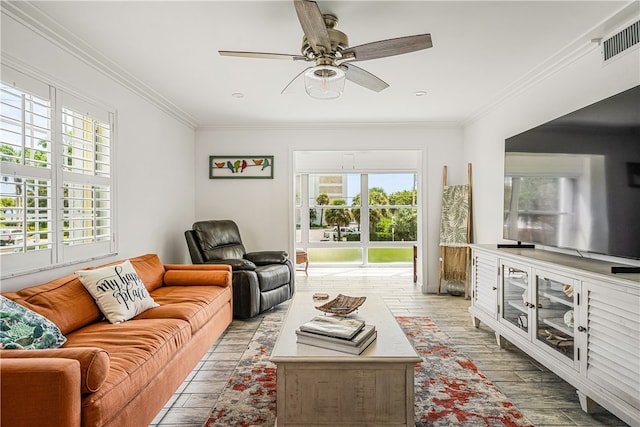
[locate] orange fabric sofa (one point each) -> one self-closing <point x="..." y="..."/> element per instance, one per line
<point x="107" y="374"/>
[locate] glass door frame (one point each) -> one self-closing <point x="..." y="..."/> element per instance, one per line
<point x="302" y="205"/>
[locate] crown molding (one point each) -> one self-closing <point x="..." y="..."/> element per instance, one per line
<point x="583" y="45"/>
<point x="33" y="18"/>
<point x="419" y="125"/>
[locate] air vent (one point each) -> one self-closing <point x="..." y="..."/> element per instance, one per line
<point x="621" y="41"/>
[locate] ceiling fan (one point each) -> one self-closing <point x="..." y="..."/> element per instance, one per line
<point x="329" y="49"/>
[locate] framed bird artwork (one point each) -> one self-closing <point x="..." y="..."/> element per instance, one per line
<point x="240" y="167"/>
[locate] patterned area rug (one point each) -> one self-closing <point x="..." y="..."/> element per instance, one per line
<point x="450" y="390"/>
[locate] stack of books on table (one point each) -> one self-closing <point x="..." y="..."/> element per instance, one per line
<point x="337" y="333"/>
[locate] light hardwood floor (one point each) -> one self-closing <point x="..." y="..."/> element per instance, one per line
<point x="543" y="397"/>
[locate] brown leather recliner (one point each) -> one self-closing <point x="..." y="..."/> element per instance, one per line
<point x="261" y="280"/>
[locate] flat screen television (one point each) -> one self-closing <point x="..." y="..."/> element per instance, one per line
<point x="574" y="182"/>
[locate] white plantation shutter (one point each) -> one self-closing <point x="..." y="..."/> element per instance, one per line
<point x="87" y="182"/>
<point x="56" y="181"/>
<point x="26" y="181"/>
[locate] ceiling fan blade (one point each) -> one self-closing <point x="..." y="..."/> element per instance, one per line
<point x="293" y="80"/>
<point x="391" y="47"/>
<point x="262" y="55"/>
<point x="313" y="25"/>
<point x="363" y="78"/>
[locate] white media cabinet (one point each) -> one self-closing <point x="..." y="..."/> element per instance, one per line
<point x="569" y="313"/>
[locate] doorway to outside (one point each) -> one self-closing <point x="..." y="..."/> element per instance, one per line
<point x="367" y="218"/>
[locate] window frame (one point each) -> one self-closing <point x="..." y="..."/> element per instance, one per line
<point x="303" y="204"/>
<point x="58" y="252"/>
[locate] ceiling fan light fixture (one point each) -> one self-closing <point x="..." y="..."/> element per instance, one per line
<point x="324" y="82"/>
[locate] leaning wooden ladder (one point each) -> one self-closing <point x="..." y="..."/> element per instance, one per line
<point x="455" y="232"/>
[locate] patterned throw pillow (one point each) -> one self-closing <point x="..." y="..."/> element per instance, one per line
<point x="21" y="328"/>
<point x="118" y="291"/>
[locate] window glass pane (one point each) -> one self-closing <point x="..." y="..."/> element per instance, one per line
<point x="326" y="189"/>
<point x="86" y="144"/>
<point x="331" y="215"/>
<point x="25" y="128"/>
<point x="335" y="255"/>
<point x="25" y="214"/>
<point x="389" y="255"/>
<point x="393" y="189"/>
<point x="393" y="224"/>
<point x="387" y="223"/>
<point x="87" y="214"/>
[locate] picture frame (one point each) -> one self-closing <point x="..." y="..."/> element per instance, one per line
<point x="239" y="167"/>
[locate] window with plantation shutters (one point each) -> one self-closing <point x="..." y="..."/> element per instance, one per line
<point x="56" y="184"/>
<point x="86" y="175"/>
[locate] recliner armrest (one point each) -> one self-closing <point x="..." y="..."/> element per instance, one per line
<point x="267" y="257"/>
<point x="237" y="264"/>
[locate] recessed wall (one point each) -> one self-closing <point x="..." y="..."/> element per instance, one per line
<point x="263" y="208"/>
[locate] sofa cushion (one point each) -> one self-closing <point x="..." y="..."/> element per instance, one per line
<point x="64" y="301"/>
<point x="150" y="270"/>
<point x="194" y="304"/>
<point x="21" y="328"/>
<point x="94" y="363"/>
<point x="138" y="350"/>
<point x="118" y="291"/>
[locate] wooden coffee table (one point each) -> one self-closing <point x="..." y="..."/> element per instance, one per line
<point x="321" y="387"/>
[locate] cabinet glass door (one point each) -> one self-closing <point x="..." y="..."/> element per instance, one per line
<point x="515" y="296"/>
<point x="555" y="313"/>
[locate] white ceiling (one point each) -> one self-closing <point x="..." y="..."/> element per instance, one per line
<point x="481" y="52"/>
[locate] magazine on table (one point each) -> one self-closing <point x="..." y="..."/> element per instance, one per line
<point x="339" y="327"/>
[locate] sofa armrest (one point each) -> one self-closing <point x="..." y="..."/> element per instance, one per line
<point x="40" y="392"/>
<point x="219" y="275"/>
<point x="94" y="362"/>
<point x="267" y="257"/>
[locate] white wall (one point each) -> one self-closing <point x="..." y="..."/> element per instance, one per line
<point x="262" y="207"/>
<point x="154" y="155"/>
<point x="578" y="84"/>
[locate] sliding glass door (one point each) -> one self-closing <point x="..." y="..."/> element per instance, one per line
<point x="357" y="218"/>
